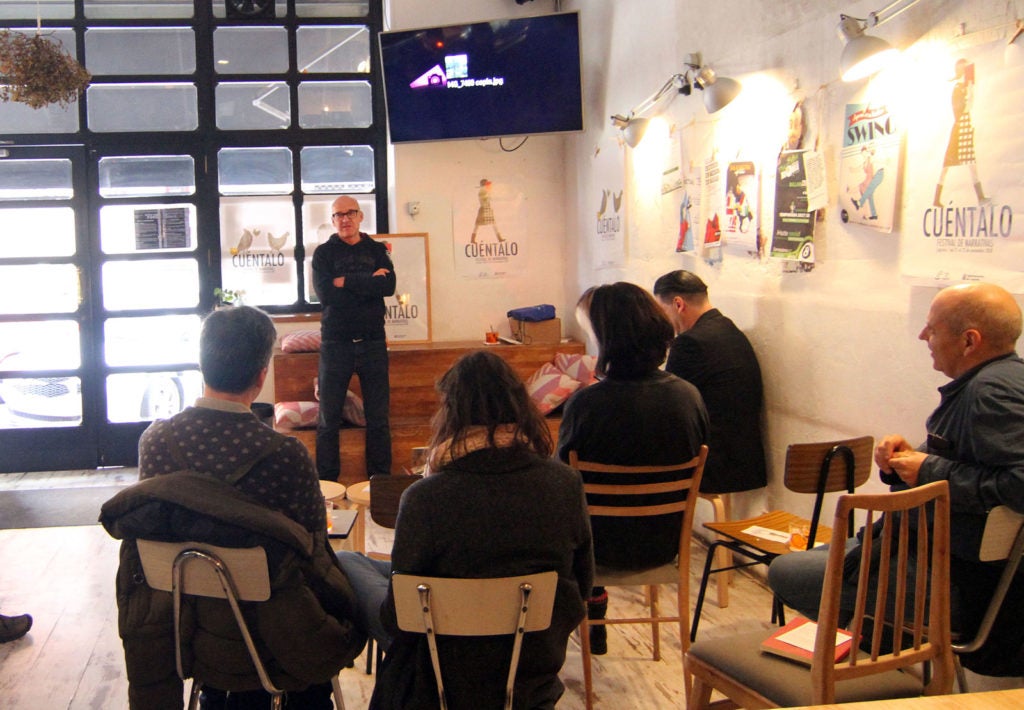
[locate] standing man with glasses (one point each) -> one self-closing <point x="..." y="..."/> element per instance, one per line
<point x="352" y="274"/>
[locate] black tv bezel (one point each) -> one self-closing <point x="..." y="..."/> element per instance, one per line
<point x="485" y="136"/>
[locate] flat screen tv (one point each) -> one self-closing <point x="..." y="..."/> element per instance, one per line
<point x="509" y="77"/>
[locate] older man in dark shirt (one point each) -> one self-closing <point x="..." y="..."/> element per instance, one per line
<point x="975" y="442"/>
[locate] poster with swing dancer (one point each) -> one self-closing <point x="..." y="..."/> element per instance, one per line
<point x="869" y="166"/>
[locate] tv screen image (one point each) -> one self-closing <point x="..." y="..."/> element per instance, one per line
<point x="509" y="77"/>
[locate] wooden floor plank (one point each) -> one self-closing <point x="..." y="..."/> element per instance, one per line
<point x="72" y="658"/>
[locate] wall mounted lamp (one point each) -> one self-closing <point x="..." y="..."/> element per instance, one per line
<point x="719" y="91"/>
<point x="863" y="54"/>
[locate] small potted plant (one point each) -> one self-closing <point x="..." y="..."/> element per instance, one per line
<point x="227" y="297"/>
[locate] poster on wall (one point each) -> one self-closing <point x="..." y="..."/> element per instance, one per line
<point x="488" y="235"/>
<point x="687" y="201"/>
<point x="964" y="169"/>
<point x="869" y="166"/>
<point x="713" y="208"/>
<point x="741" y="203"/>
<point x="609" y="240"/>
<point x="407" y="314"/>
<point x="793" y="231"/>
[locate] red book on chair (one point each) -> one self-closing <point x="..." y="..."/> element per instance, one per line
<point x="795" y="641"/>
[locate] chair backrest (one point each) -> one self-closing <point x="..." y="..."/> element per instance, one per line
<point x="925" y="636"/>
<point x="688" y="486"/>
<point x="385" y="493"/>
<point x="474" y="607"/>
<point x="199" y="569"/>
<point x="1003" y="539"/>
<point x="247" y="567"/>
<point x="826" y="467"/>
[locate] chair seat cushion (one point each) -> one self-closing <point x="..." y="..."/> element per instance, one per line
<point x="609" y="577"/>
<point x="788" y="683"/>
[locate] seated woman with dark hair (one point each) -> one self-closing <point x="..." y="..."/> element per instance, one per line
<point x="635" y="415"/>
<point x="493" y="504"/>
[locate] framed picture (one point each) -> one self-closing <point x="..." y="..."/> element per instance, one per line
<point x="407" y="319"/>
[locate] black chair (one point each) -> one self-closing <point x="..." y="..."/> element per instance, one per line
<point x="818" y="468"/>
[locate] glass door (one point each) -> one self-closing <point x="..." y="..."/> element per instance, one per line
<point x="98" y="334"/>
<point x="45" y="315"/>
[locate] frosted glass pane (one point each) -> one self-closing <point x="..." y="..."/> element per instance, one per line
<point x="317" y="229"/>
<point x="37" y="231"/>
<point x="255" y="171"/>
<point x="42" y="179"/>
<point x="31" y="9"/>
<point x="331" y="8"/>
<point x="40" y="345"/>
<point x="333" y="49"/>
<point x="152" y="340"/>
<point x="146" y="175"/>
<point x="53" y="288"/>
<point x="127" y="9"/>
<point x="250" y="50"/>
<point x="337" y="169"/>
<point x="257" y="246"/>
<point x="21" y="118"/>
<point x="166" y="283"/>
<point x="131" y="229"/>
<point x="140" y="50"/>
<point x="142" y="107"/>
<point x="335" y="104"/>
<point x="145" y="396"/>
<point x="253" y="105"/>
<point x="41" y="401"/>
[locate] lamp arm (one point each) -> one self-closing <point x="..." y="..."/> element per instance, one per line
<point x="878" y="17"/>
<point x="654" y="98"/>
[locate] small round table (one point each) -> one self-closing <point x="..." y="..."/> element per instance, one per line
<point x="332" y="491"/>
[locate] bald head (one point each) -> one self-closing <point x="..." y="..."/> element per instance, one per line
<point x="969" y="324"/>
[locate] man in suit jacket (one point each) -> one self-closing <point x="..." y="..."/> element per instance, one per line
<point x="715" y="356"/>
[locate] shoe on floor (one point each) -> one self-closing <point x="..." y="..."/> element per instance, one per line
<point x="14" y="627"/>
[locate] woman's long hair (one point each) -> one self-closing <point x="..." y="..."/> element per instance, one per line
<point x="632" y="331"/>
<point x="482" y="390"/>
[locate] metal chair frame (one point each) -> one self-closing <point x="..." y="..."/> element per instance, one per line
<point x="212" y="558"/>
<point x="760" y="556"/>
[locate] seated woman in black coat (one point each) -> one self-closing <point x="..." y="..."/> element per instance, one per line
<point x="493" y="504"/>
<point x="635" y="415"/>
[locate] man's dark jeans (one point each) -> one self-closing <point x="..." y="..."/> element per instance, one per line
<point x="339" y="360"/>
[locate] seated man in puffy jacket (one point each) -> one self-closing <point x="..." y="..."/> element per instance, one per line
<point x="214" y="473"/>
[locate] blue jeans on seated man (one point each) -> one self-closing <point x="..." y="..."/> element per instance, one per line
<point x="370" y="580"/>
<point x="798" y="578"/>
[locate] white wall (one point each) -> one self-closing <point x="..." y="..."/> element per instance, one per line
<point x="838" y="344"/>
<point x="440" y="175"/>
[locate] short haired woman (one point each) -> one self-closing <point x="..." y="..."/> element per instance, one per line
<point x="635" y="415"/>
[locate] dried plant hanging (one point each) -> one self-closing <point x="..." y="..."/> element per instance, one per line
<point x="37" y="72"/>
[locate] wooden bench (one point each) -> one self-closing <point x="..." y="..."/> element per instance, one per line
<point x="414" y="369"/>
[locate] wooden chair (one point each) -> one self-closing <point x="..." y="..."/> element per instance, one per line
<point x="232" y="574"/>
<point x="474" y="607"/>
<point x="818" y="468"/>
<point x="735" y="666"/>
<point x="677" y="572"/>
<point x="1003" y="539"/>
<point x="385" y="493"/>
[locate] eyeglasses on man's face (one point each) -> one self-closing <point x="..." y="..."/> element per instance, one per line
<point x="351" y="214"/>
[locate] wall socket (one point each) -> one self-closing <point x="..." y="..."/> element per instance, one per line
<point x="413" y="208"/>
